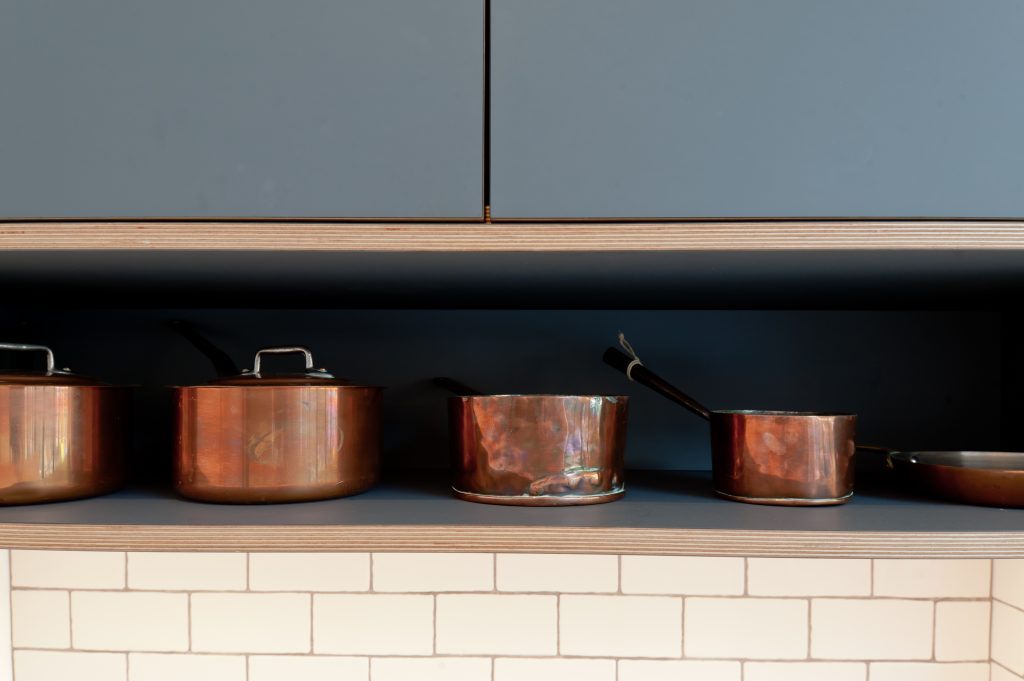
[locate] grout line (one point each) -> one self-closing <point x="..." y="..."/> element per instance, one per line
<point x="935" y="627"/>
<point x="810" y="627"/>
<point x="620" y="582"/>
<point x="247" y="657"/>
<point x="125" y="586"/>
<point x="370" y="554"/>
<point x="558" y="624"/>
<point x="746" y="576"/>
<point x="248" y="577"/>
<point x="492" y="669"/>
<point x="71" y="629"/>
<point x="872" y="577"/>
<point x="682" y="627"/>
<point x="494" y="572"/>
<point x="434" y="621"/>
<point x="311" y="651"/>
<point x="188" y="606"/>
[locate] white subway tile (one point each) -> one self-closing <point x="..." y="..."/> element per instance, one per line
<point x="176" y="667"/>
<point x="961" y="630"/>
<point x="929" y="671"/>
<point x="478" y="624"/>
<point x="250" y="623"/>
<point x="752" y="628"/>
<point x="41" y="619"/>
<point x="552" y="669"/>
<point x="805" y="671"/>
<point x="1000" y="673"/>
<point x="692" y="576"/>
<point x="621" y="626"/>
<point x="430" y="669"/>
<point x="1008" y="637"/>
<point x="880" y="629"/>
<point x="1008" y="581"/>
<point x="413" y="572"/>
<point x="678" y="670"/>
<point x="108" y="620"/>
<point x="309" y="572"/>
<point x="6" y="654"/>
<point x="167" y="571"/>
<point x="808" y="577"/>
<point x="560" y="573"/>
<point x="68" y="569"/>
<point x="373" y="624"/>
<point x="311" y="668"/>
<point x="933" y="578"/>
<point x="39" y="665"/>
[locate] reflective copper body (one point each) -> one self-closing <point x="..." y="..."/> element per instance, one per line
<point x="280" y="439"/>
<point x="538" y="450"/>
<point x="61" y="436"/>
<point x="783" y="458"/>
<point x="981" y="478"/>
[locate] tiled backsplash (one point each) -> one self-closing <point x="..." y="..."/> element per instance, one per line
<point x="508" y="617"/>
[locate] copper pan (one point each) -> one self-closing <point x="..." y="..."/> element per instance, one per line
<point x="537" y="450"/>
<point x="781" y="458"/>
<point x="979" y="478"/>
<point x="62" y="435"/>
<point x="293" y="437"/>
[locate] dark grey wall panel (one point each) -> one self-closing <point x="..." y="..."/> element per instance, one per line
<point x="359" y="108"/>
<point x="730" y="108"/>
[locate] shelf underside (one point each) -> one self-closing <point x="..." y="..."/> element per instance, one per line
<point x="669" y="513"/>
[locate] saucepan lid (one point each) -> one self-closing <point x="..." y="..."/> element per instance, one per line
<point x="309" y="376"/>
<point x="49" y="376"/>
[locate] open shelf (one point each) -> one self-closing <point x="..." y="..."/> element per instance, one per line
<point x="667" y="513"/>
<point x="709" y="265"/>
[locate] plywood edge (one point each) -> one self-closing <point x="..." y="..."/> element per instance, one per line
<point x="514" y="237"/>
<point x="447" y="538"/>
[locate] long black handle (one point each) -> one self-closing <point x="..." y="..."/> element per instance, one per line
<point x="641" y="374"/>
<point x="222" y="362"/>
<point x="453" y="386"/>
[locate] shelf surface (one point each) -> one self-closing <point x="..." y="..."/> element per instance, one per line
<point x="662" y="513"/>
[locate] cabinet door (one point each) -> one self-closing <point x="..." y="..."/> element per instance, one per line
<point x="210" y="108"/>
<point x="744" y="108"/>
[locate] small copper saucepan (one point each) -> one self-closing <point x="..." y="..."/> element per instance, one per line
<point x="536" y="450"/>
<point x="62" y="435"/>
<point x="781" y="458"/>
<point x="289" y="437"/>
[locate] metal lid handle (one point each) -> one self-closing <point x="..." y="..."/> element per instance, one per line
<point x="50" y="364"/>
<point x="282" y="351"/>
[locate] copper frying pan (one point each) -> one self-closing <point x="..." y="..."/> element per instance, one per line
<point x="980" y="478"/>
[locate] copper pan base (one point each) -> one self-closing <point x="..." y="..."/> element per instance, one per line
<point x="787" y="501"/>
<point x="541" y="500"/>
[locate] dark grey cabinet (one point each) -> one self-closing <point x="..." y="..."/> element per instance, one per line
<point x="744" y="108"/>
<point x="236" y="108"/>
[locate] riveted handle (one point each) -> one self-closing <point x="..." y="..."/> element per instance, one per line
<point x="50" y="364"/>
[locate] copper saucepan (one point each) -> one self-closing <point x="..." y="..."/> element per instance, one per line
<point x="290" y="437"/>
<point x="781" y="458"/>
<point x="536" y="450"/>
<point x="62" y="435"/>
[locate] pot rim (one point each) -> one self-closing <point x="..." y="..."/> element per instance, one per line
<point x="768" y="412"/>
<point x="526" y="396"/>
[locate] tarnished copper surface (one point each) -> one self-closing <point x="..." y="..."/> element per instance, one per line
<point x="256" y="444"/>
<point x="538" y="450"/>
<point x="980" y="478"/>
<point x="783" y="458"/>
<point x="61" y="435"/>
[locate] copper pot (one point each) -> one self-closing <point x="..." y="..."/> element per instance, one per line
<point x="291" y="437"/>
<point x="61" y="434"/>
<point x="538" y="450"/>
<point x="781" y="458"/>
